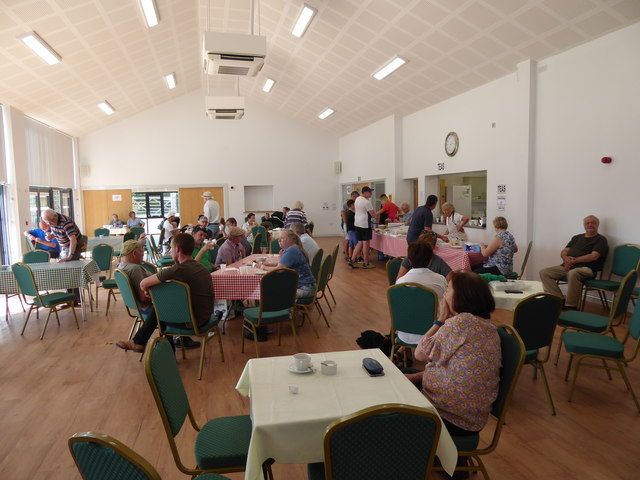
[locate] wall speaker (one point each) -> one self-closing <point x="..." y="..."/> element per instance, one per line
<point x="337" y="167"/>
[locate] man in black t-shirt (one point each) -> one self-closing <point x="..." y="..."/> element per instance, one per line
<point x="582" y="258"/>
<point x="422" y="219"/>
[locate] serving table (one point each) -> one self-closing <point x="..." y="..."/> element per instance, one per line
<point x="54" y="276"/>
<point x="290" y="427"/>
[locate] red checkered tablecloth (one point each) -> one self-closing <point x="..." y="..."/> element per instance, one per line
<point x="232" y="285"/>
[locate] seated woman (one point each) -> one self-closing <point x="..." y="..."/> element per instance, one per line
<point x="455" y="223"/>
<point x="133" y="221"/>
<point x="463" y="356"/>
<point x="115" y="221"/>
<point x="499" y="251"/>
<point x="438" y="265"/>
<point x="295" y="258"/>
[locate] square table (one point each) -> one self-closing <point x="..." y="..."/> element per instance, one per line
<point x="508" y="301"/>
<point x="233" y="285"/>
<point x="114" y="241"/>
<point x="290" y="427"/>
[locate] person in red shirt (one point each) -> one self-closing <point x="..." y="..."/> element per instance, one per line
<point x="389" y="210"/>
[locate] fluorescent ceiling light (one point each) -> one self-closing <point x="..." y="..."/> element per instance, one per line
<point x="150" y="12"/>
<point x="171" y="80"/>
<point x="40" y="47"/>
<point x="303" y="21"/>
<point x="106" y="108"/>
<point x="268" y="85"/>
<point x="389" y="68"/>
<point x="326" y="113"/>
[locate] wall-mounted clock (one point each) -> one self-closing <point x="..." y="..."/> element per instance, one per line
<point x="451" y="143"/>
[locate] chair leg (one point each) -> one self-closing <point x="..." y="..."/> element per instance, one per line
<point x="217" y="332"/>
<point x="55" y="310"/>
<point x="202" y="347"/>
<point x="559" y="347"/>
<point x="184" y="354"/>
<point x="332" y="297"/>
<point x="295" y="335"/>
<point x="566" y="375"/>
<point x="45" y="325"/>
<point x="626" y="381"/>
<point x="606" y="368"/>
<point x="322" y="313"/>
<point x="135" y="322"/>
<point x="308" y="317"/>
<point x="328" y="304"/>
<point x="109" y="301"/>
<point x="575" y="377"/>
<point x="75" y="317"/>
<point x="27" y="319"/>
<point x="546" y="384"/>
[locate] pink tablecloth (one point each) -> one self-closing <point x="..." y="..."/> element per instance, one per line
<point x="456" y="258"/>
<point x="231" y="285"/>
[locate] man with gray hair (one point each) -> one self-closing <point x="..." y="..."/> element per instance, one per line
<point x="66" y="232"/>
<point x="582" y="259"/>
<point x="308" y="243"/>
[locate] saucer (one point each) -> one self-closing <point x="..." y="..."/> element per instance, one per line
<point x="293" y="369"/>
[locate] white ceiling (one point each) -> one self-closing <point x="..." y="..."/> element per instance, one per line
<point x="452" y="46"/>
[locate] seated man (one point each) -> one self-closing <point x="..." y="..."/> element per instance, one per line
<point x="38" y="237"/>
<point x="231" y="250"/>
<point x="186" y="270"/>
<point x="202" y="250"/>
<point x="582" y="258"/>
<point x="115" y="221"/>
<point x="308" y="243"/>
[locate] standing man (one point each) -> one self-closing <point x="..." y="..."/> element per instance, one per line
<point x="343" y="222"/>
<point x="66" y="232"/>
<point x="186" y="270"/>
<point x="39" y="236"/>
<point x="422" y="219"/>
<point x="582" y="259"/>
<point x="212" y="212"/>
<point x="364" y="212"/>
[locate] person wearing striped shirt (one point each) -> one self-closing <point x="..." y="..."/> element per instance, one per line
<point x="65" y="230"/>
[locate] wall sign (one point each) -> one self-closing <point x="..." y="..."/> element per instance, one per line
<point x="116" y="198"/>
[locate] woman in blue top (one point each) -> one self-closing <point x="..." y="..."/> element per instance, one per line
<point x="294" y="257"/>
<point x="133" y="221"/>
<point x="499" y="251"/>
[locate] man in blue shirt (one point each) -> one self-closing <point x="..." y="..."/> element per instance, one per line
<point x="422" y="219"/>
<point x="38" y="237"/>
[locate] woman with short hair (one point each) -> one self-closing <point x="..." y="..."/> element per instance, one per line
<point x="455" y="223"/>
<point x="296" y="215"/>
<point x="500" y="250"/>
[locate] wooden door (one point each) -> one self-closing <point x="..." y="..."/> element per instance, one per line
<point x="192" y="203"/>
<point x="99" y="205"/>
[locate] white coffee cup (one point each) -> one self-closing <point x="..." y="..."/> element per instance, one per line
<point x="328" y="367"/>
<point x="223" y="267"/>
<point x="302" y="361"/>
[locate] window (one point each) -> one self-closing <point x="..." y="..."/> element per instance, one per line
<point x="41" y="198"/>
<point x="152" y="206"/>
<point x="467" y="191"/>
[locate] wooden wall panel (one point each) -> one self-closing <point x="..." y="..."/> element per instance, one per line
<point x="99" y="206"/>
<point x="192" y="203"/>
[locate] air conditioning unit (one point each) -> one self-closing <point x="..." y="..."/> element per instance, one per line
<point x="234" y="54"/>
<point x="225" y="108"/>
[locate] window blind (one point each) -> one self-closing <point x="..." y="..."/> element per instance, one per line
<point x="49" y="155"/>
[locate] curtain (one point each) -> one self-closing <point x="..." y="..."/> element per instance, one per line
<point x="49" y="155"/>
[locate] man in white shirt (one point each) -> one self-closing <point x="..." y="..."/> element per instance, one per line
<point x="170" y="230"/>
<point x="364" y="212"/>
<point x="212" y="212"/>
<point x="308" y="243"/>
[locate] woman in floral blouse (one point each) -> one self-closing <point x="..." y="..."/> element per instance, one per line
<point x="463" y="356"/>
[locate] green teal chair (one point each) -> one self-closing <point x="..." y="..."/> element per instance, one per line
<point x="103" y="255"/>
<point x="535" y="318"/>
<point x="334" y="258"/>
<point x="130" y="300"/>
<point x="257" y="243"/>
<point x="99" y="232"/>
<point x="277" y="305"/>
<point x="221" y="444"/>
<point x="37" y="256"/>
<point x="137" y="231"/>
<point x="380" y="443"/>
<point x="625" y="258"/>
<point x="52" y="301"/>
<point x="150" y="267"/>
<point x="592" y="323"/>
<point x="315" y="263"/>
<point x="515" y="275"/>
<point x="513" y="352"/>
<point x="305" y="304"/>
<point x="214" y="254"/>
<point x="393" y="267"/>
<point x="275" y="247"/>
<point x="158" y="261"/>
<point x="413" y="308"/>
<point x="584" y="346"/>
<point x="173" y="306"/>
<point x="128" y="236"/>
<point x="264" y="240"/>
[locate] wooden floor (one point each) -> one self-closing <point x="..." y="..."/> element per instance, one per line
<point x="77" y="380"/>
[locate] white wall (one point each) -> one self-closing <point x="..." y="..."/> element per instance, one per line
<point x="174" y="144"/>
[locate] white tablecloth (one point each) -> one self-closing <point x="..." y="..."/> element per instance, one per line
<point x="114" y="241"/>
<point x="508" y="301"/>
<point x="290" y="427"/>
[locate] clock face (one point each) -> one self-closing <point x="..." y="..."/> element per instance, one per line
<point x="451" y="143"/>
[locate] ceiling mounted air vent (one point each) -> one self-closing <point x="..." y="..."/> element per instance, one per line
<point x="224" y="107"/>
<point x="234" y="54"/>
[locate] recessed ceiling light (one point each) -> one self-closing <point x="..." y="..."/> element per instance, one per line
<point x="268" y="85"/>
<point x="150" y="12"/>
<point x="326" y="113"/>
<point x="389" y="68"/>
<point x="40" y="47"/>
<point x="304" y="19"/>
<point x="171" y="80"/>
<point x="106" y="108"/>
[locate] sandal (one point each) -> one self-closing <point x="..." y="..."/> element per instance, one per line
<point x="129" y="345"/>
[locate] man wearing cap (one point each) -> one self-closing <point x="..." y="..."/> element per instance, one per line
<point x="186" y="270"/>
<point x="231" y="250"/>
<point x="212" y="212"/>
<point x="364" y="212"/>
